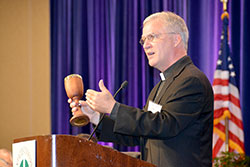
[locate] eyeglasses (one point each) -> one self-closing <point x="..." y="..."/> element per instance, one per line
<point x="151" y="37"/>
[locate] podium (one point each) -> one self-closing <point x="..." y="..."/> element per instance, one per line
<point x="72" y="151"/>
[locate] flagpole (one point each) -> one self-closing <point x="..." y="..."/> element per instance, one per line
<point x="227" y="136"/>
<point x="224" y="5"/>
<point x="226" y="113"/>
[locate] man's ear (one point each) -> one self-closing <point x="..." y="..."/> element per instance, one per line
<point x="177" y="40"/>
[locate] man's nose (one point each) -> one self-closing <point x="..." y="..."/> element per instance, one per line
<point x="147" y="44"/>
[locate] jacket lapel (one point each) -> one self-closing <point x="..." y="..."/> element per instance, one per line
<point x="164" y="88"/>
<point x="176" y="71"/>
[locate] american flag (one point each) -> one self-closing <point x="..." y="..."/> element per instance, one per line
<point x="226" y="100"/>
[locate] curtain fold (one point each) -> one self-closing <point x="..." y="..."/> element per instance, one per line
<point x="100" y="40"/>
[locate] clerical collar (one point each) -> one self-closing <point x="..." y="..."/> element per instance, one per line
<point x="162" y="76"/>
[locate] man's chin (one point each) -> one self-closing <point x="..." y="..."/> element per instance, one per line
<point x="152" y="64"/>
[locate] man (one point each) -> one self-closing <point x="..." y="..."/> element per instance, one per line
<point x="176" y="124"/>
<point x="5" y="158"/>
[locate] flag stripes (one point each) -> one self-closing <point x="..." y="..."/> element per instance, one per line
<point x="226" y="100"/>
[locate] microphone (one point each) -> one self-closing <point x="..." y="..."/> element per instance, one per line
<point x="123" y="85"/>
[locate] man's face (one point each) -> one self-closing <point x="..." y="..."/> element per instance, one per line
<point x="158" y="44"/>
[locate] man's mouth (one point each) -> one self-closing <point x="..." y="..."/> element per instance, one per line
<point x="151" y="53"/>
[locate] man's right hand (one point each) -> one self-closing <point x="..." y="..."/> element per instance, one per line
<point x="93" y="116"/>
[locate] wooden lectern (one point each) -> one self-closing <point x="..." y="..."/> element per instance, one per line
<point x="72" y="151"/>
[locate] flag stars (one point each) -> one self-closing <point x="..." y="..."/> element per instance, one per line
<point x="232" y="74"/>
<point x="230" y="66"/>
<point x="229" y="59"/>
<point x="219" y="62"/>
<point x="222" y="37"/>
<point x="219" y="52"/>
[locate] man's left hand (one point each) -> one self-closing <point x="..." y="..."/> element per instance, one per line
<point x="102" y="101"/>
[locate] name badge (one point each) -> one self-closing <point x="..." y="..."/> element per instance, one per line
<point x="153" y="107"/>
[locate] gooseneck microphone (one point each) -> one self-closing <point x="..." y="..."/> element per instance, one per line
<point x="123" y="85"/>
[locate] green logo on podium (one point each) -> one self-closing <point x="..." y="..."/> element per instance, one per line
<point x="24" y="163"/>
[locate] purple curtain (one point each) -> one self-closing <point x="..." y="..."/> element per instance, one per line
<point x="99" y="40"/>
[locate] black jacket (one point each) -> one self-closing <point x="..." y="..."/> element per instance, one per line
<point x="180" y="135"/>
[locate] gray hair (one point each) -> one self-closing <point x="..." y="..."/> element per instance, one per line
<point x="172" y="22"/>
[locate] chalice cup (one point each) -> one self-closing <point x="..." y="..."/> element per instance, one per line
<point x="74" y="88"/>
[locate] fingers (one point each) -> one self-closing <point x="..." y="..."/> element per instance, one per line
<point x="91" y="95"/>
<point x="90" y="105"/>
<point x="82" y="103"/>
<point x="98" y="101"/>
<point x="91" y="92"/>
<point x="90" y="102"/>
<point x="74" y="109"/>
<point x="101" y="86"/>
<point x="69" y="100"/>
<point x="74" y="104"/>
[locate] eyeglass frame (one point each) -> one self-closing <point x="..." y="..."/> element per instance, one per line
<point x="151" y="37"/>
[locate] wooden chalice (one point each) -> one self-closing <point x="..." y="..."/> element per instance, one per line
<point x="74" y="88"/>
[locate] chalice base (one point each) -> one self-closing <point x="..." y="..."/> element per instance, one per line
<point x="79" y="120"/>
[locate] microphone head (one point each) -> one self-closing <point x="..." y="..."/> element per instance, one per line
<point x="124" y="84"/>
